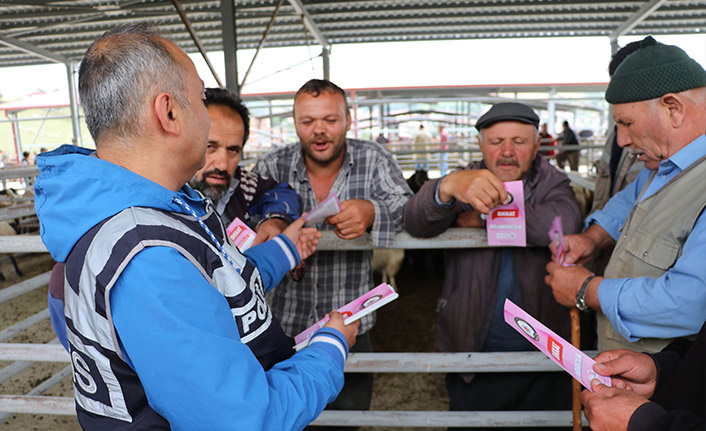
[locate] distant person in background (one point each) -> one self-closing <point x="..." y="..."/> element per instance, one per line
<point x="443" y="146"/>
<point x="381" y="139"/>
<point x="616" y="168"/>
<point x="545" y="138"/>
<point x="266" y="205"/>
<point x="25" y="159"/>
<point x="42" y="150"/>
<point x="422" y="137"/>
<point x="568" y="137"/>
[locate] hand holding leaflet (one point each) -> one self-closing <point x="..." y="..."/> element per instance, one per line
<point x="556" y="236"/>
<point x="352" y="311"/>
<point x="241" y="234"/>
<point x="324" y="209"/>
<point x="571" y="359"/>
<point x="505" y="223"/>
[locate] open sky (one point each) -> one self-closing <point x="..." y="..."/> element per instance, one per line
<point x="394" y="64"/>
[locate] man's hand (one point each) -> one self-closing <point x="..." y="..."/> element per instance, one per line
<point x="469" y="219"/>
<point x="609" y="409"/>
<point x="269" y="229"/>
<point x="355" y="218"/>
<point x="581" y="247"/>
<point x="566" y="281"/>
<point x="478" y="187"/>
<point x="349" y="331"/>
<point x="305" y="239"/>
<point x="628" y="370"/>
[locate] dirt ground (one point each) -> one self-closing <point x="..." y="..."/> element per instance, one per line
<point x="405" y="325"/>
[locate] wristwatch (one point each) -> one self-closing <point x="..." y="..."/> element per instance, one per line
<point x="580" y="300"/>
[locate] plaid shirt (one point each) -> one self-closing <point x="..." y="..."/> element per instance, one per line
<point x="334" y="278"/>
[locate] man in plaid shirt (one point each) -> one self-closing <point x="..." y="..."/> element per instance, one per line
<point x="372" y="191"/>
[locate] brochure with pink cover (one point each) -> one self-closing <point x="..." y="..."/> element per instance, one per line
<point x="354" y="310"/>
<point x="506" y="223"/>
<point x="571" y="359"/>
<point x="556" y="236"/>
<point x="241" y="234"/>
<point x="324" y="209"/>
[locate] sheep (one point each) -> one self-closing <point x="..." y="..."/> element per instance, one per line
<point x="388" y="262"/>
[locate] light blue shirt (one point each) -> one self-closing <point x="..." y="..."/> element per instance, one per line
<point x="673" y="305"/>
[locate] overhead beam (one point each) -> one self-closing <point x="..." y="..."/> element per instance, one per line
<point x="310" y="24"/>
<point x="195" y="38"/>
<point x="636" y="18"/>
<point x="230" y="45"/>
<point x="34" y="50"/>
<point x="262" y="42"/>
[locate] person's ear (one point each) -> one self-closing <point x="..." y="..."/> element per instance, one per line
<point x="675" y="108"/>
<point x="166" y="110"/>
<point x="348" y="121"/>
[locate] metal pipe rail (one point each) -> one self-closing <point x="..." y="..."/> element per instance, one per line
<point x="469" y="362"/>
<point x="23" y="325"/>
<point x="12" y="172"/>
<point x="456" y="237"/>
<point x="476" y="149"/>
<point x="17" y="211"/>
<point x="452" y="238"/>
<point x="24" y="286"/>
<point x="397" y="419"/>
<point x="357" y="362"/>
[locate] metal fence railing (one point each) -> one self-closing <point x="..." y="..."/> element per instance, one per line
<point x="23" y="355"/>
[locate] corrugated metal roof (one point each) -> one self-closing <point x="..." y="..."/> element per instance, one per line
<point x="67" y="28"/>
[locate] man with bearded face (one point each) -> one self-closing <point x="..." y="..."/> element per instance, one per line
<point x="264" y="204"/>
<point x="372" y="192"/>
<point x="478" y="280"/>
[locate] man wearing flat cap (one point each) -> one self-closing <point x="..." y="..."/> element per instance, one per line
<point x="654" y="288"/>
<point x="478" y="280"/>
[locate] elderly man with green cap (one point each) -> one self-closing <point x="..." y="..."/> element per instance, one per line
<point x="654" y="289"/>
<point x="478" y="280"/>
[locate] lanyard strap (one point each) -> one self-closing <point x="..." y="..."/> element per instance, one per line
<point x="186" y="206"/>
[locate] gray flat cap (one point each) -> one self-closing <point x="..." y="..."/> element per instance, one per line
<point x="508" y="111"/>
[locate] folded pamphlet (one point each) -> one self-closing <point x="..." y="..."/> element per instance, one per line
<point x="323" y="210"/>
<point x="506" y="223"/>
<point x="354" y="310"/>
<point x="571" y="359"/>
<point x="556" y="236"/>
<point x="241" y="234"/>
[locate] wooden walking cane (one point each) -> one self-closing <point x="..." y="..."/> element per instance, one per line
<point x="576" y="385"/>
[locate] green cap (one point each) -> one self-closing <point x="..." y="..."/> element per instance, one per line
<point x="652" y="71"/>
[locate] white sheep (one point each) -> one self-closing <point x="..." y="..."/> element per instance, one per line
<point x="388" y="262"/>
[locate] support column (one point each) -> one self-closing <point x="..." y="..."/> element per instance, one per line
<point x="326" y="64"/>
<point x="355" y="114"/>
<point x="73" y="103"/>
<point x="15" y="135"/>
<point x="230" y="45"/>
<point x="551" y="108"/>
